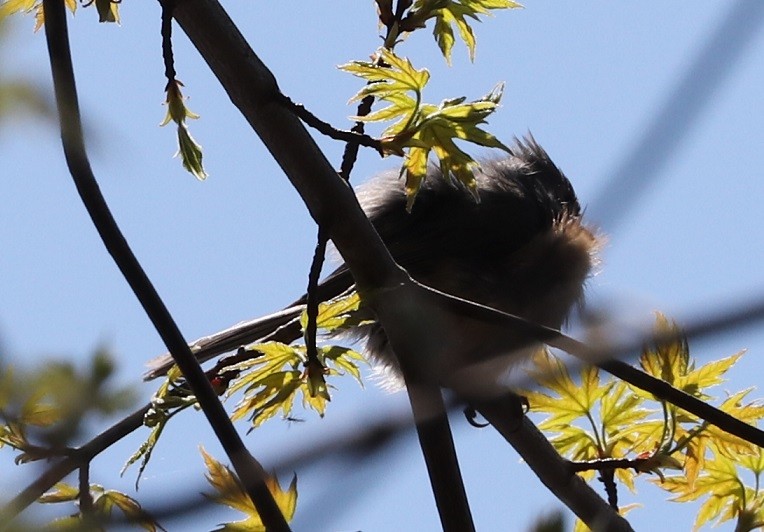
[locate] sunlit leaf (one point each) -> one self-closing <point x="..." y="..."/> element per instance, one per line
<point x="720" y="482"/>
<point x="449" y="13"/>
<point x="229" y="492"/>
<point x="129" y="507"/>
<point x="9" y="7"/>
<point x="571" y="400"/>
<point x="189" y="150"/>
<point x="709" y="374"/>
<point x="268" y="395"/>
<point x="724" y="442"/>
<point x="668" y="360"/>
<point x="271" y="382"/>
<point x="423" y="128"/>
<point x="344" y="359"/>
<point x="61" y="492"/>
<point x="337" y="314"/>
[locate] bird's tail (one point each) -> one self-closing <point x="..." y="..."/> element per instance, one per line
<point x="282" y="326"/>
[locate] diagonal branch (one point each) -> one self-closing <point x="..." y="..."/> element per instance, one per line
<point x="553" y="470"/>
<point x="332" y="204"/>
<point x="249" y="470"/>
<point x="65" y="466"/>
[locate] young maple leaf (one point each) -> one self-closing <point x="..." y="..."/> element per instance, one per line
<point x="728" y="495"/>
<point x="450" y="13"/>
<point x="230" y="492"/>
<point x="425" y="128"/>
<point x="272" y="381"/>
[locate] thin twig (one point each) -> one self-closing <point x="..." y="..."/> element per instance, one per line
<point x="166" y="31"/>
<point x="604" y="356"/>
<point x="85" y="497"/>
<point x="354" y="136"/>
<point x="313" y="363"/>
<point x="350" y="154"/>
<point x="607" y="477"/>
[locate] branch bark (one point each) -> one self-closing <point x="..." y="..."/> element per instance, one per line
<point x="553" y="470"/>
<point x="401" y="305"/>
<point x="250" y="472"/>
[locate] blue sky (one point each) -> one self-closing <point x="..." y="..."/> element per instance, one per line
<point x="603" y="86"/>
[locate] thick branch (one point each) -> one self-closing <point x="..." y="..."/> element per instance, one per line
<point x="331" y="202"/>
<point x="333" y="206"/>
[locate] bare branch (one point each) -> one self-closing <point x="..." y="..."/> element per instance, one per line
<point x="553" y="470"/>
<point x="355" y="136"/>
<point x="249" y="470"/>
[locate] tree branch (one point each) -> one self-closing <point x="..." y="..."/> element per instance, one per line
<point x="248" y="469"/>
<point x="333" y="206"/>
<point x="62" y="468"/>
<point x="553" y="470"/>
<point x="355" y="136"/>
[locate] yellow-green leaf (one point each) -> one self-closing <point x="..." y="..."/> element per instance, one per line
<point x="62" y="492"/>
<point x="229" y="492"/>
<point x="9" y="7"/>
<point x="708" y="375"/>
<point x="668" y="360"/>
<point x="338" y="313"/>
<point x="455" y="12"/>
<point x="190" y="153"/>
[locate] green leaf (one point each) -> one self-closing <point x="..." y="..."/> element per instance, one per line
<point x="343" y="358"/>
<point x="390" y="79"/>
<point x="708" y="375"/>
<point x="572" y="401"/>
<point x="449" y="13"/>
<point x="272" y="381"/>
<point x="190" y="153"/>
<point x="275" y="356"/>
<point x="189" y="150"/>
<point x="130" y="507"/>
<point x="268" y="395"/>
<point x="424" y="128"/>
<point x="435" y="128"/>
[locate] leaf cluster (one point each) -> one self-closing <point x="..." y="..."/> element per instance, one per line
<point x="279" y="373"/>
<point x="595" y="418"/>
<point x="271" y="379"/>
<point x="450" y="14"/>
<point x="421" y="128"/>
